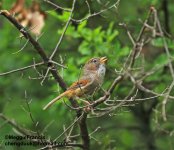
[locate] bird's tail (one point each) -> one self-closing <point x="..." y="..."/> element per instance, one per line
<point x="55" y="100"/>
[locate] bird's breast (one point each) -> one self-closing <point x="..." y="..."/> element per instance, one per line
<point x="101" y="71"/>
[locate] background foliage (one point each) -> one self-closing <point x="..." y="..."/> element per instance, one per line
<point x="134" y="127"/>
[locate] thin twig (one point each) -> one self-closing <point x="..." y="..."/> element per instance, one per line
<point x="22" y="47"/>
<point x="169" y="64"/>
<point x="20" y="129"/>
<point x="57" y="7"/>
<point x="21" y="69"/>
<point x="64" y="31"/>
<point x="115" y="5"/>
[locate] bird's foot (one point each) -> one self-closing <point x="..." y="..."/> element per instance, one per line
<point x="88" y="107"/>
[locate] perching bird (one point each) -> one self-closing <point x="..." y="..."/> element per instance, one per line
<point x="92" y="77"/>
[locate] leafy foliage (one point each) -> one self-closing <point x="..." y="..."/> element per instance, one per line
<point x="121" y="129"/>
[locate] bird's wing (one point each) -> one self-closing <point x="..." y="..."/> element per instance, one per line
<point x="79" y="84"/>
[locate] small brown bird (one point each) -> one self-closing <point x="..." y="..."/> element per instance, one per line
<point x="92" y="77"/>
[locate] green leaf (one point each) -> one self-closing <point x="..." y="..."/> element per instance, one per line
<point x="161" y="60"/>
<point x="111" y="37"/>
<point x="82" y="25"/>
<point x="63" y="17"/>
<point x="54" y="14"/>
<point x="84" y="48"/>
<point x="158" y="42"/>
<point x="70" y="32"/>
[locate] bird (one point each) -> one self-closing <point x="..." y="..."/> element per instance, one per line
<point x="91" y="79"/>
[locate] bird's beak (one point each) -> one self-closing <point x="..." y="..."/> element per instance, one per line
<point x="103" y="60"/>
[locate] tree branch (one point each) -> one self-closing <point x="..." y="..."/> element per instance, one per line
<point x="64" y="31"/>
<point x="21" y="69"/>
<point x="131" y="60"/>
<point x="37" y="47"/>
<point x="41" y="52"/>
<point x="57" y="6"/>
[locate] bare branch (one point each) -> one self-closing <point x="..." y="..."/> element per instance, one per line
<point x="57" y="7"/>
<point x="20" y="129"/>
<point x="115" y="5"/>
<point x="169" y="64"/>
<point x="41" y="52"/>
<point x="36" y="45"/>
<point x="64" y="31"/>
<point x="21" y="69"/>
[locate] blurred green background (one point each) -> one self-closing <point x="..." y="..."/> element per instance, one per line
<point x="138" y="127"/>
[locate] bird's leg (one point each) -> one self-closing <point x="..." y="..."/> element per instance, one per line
<point x="87" y="104"/>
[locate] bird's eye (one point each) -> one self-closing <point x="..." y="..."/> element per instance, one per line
<point x="94" y="60"/>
